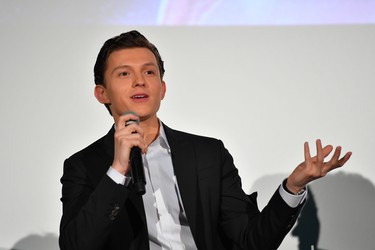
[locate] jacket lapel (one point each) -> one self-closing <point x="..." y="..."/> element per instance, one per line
<point x="184" y="164"/>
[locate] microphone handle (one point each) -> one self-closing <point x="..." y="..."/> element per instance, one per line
<point x="138" y="173"/>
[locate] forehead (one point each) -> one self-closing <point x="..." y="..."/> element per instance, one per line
<point x="131" y="57"/>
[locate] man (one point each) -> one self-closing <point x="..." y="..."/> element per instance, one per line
<point x="193" y="199"/>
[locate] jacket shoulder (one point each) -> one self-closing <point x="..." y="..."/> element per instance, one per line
<point x="189" y="136"/>
<point x="98" y="147"/>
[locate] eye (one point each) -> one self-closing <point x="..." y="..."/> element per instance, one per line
<point x="150" y="72"/>
<point x="123" y="74"/>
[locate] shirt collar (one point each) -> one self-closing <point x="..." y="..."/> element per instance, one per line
<point x="162" y="136"/>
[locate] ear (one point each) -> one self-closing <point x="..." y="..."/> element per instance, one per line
<point x="100" y="93"/>
<point x="163" y="90"/>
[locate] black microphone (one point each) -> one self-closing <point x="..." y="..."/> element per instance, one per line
<point x="137" y="171"/>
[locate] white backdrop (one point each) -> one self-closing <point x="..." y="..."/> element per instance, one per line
<point x="262" y="90"/>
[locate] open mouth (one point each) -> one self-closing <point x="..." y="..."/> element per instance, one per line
<point x="140" y="96"/>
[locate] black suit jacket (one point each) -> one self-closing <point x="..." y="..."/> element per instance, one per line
<point x="99" y="214"/>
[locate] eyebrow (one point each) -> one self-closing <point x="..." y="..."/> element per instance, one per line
<point x="128" y="66"/>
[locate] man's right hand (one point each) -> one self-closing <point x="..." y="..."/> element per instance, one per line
<point x="125" y="138"/>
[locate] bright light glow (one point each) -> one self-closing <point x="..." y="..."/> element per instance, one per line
<point x="191" y="12"/>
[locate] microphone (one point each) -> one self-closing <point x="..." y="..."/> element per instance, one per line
<point x="137" y="170"/>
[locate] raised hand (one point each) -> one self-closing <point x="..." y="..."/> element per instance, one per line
<point x="315" y="167"/>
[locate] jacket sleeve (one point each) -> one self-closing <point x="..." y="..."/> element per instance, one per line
<point x="240" y="218"/>
<point x="89" y="209"/>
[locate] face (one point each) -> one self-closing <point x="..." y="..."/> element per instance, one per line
<point x="132" y="83"/>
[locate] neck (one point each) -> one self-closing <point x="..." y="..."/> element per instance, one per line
<point x="150" y="128"/>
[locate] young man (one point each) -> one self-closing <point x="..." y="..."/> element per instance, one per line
<point x="193" y="198"/>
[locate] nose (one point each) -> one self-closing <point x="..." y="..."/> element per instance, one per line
<point x="139" y="80"/>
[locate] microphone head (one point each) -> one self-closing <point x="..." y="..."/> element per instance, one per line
<point x="128" y="122"/>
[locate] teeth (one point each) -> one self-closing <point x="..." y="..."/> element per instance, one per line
<point x="138" y="96"/>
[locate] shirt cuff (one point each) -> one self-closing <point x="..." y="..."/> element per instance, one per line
<point x="118" y="177"/>
<point x="293" y="200"/>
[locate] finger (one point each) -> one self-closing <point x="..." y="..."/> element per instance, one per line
<point x="125" y="129"/>
<point x="139" y="142"/>
<point x="133" y="128"/>
<point x="319" y="152"/>
<point x="344" y="159"/>
<point x="332" y="163"/>
<point x="340" y="162"/>
<point x="335" y="157"/>
<point x="307" y="153"/>
<point x="326" y="151"/>
<point x="122" y="131"/>
<point x="121" y="122"/>
<point x="130" y="140"/>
